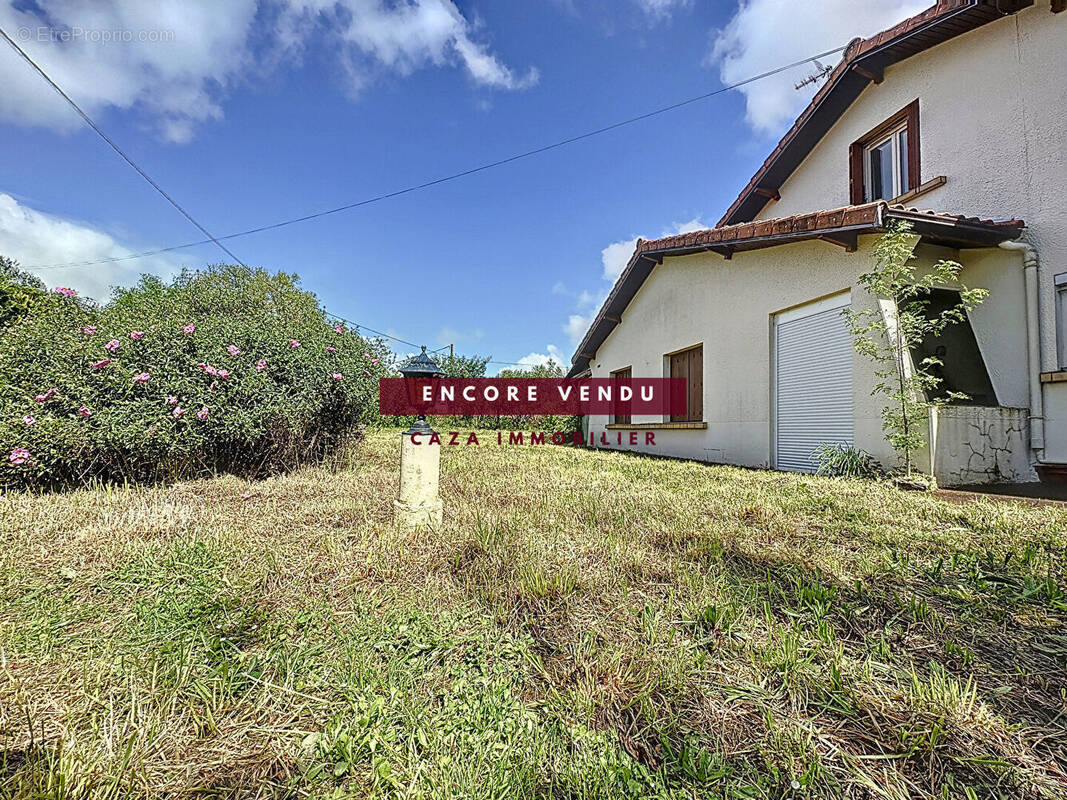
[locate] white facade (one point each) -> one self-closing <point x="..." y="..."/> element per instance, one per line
<point x="992" y="105"/>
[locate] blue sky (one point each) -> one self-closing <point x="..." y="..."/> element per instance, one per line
<point x="256" y="112"/>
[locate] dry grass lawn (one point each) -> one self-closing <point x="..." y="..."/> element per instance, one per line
<point x="586" y="625"/>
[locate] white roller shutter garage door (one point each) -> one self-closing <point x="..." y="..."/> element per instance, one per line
<point x="812" y="382"/>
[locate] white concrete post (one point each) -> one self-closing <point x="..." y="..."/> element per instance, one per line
<point x="419" y="504"/>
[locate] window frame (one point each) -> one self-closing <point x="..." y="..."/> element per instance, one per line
<point x="691" y="414"/>
<point x="904" y="121"/>
<point x="900" y="167"/>
<point x="1060" y="288"/>
<point x="616" y="417"/>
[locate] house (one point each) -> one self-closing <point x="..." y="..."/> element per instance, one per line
<point x="959" y="110"/>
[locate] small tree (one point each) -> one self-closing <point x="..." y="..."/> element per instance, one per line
<point x="888" y="339"/>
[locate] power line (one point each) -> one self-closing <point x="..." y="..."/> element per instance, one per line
<point x="359" y="327"/>
<point x="155" y="185"/>
<point x="454" y="176"/>
<point x="118" y="149"/>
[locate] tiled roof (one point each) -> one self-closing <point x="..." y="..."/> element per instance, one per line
<point x="748" y="235"/>
<point x="840" y="226"/>
<point x="864" y="61"/>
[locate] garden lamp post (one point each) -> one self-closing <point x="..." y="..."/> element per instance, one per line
<point x="419" y="504"/>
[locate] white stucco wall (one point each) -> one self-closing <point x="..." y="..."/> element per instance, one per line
<point x="992" y="105"/>
<point x="729" y="307"/>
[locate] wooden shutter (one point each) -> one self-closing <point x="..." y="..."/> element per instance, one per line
<point x="914" y="163"/>
<point x="689" y="365"/>
<point x="855" y="173"/>
<point x="695" y="399"/>
<point x="620" y="418"/>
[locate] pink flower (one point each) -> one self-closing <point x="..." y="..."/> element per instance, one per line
<point x="374" y="361"/>
<point x="172" y="400"/>
<point x="366" y="372"/>
<point x="331" y="349"/>
<point x="233" y="350"/>
<point x="339" y="329"/>
<point x="84" y="411"/>
<point x="189" y="328"/>
<point x="224" y="373"/>
<point x="202" y="414"/>
<point x="29" y="420"/>
<point x="112" y="346"/>
<point x="141" y="377"/>
<point x="261" y="365"/>
<point x="136" y="335"/>
<point x="63" y="290"/>
<point x="294" y="343"/>
<point x="178" y="411"/>
<point x="89" y="330"/>
<point x="337" y="376"/>
<point x="210" y="370"/>
<point x="366" y="355"/>
<point x="20" y="456"/>
<point x="102" y="364"/>
<point x="44" y="398"/>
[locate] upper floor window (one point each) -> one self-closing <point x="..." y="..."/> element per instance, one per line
<point x="884" y="164"/>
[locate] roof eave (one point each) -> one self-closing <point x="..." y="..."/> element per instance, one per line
<point x="934" y="229"/>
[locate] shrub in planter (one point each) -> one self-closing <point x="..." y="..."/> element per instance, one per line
<point x="226" y="369"/>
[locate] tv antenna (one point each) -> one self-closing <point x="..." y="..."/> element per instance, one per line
<point x="822" y="72"/>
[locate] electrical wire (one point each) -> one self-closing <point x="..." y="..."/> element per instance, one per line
<point x="96" y="128"/>
<point x="119" y="150"/>
<point x="454" y="176"/>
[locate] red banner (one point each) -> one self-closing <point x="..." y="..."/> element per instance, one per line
<point x="520" y="396"/>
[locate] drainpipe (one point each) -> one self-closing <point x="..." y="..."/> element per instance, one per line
<point x="1031" y="265"/>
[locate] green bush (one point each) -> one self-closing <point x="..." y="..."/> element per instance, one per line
<point x="844" y="461"/>
<point x="226" y="369"/>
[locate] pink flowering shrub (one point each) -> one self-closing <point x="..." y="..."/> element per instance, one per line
<point x="212" y="384"/>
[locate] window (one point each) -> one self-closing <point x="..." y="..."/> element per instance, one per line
<point x="689" y="364"/>
<point x="619" y="418"/>
<point x="884" y="164"/>
<point x="1061" y="317"/>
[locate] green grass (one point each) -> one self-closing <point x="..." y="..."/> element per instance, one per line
<point x="586" y="625"/>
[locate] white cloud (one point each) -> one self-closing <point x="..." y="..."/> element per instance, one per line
<point x="764" y="34"/>
<point x="614" y="259"/>
<point x="576" y="326"/>
<point x="662" y="8"/>
<point x="32" y="237"/>
<point x="184" y="56"/>
<point x="617" y="255"/>
<point x="539" y="359"/>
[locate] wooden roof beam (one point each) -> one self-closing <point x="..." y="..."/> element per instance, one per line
<point x="872" y="75"/>
<point x="848" y="240"/>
